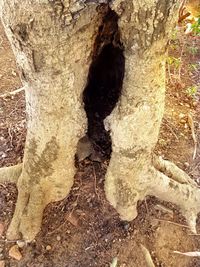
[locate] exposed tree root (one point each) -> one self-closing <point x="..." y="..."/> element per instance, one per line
<point x="172" y="171"/>
<point x="27" y="218"/>
<point x="186" y="196"/>
<point x="10" y="174"/>
<point x="125" y="186"/>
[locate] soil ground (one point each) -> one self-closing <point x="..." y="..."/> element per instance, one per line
<point x="84" y="230"/>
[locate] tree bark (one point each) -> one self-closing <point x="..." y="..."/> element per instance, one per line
<point x="53" y="43"/>
<point x="135" y="122"/>
<point x="53" y="52"/>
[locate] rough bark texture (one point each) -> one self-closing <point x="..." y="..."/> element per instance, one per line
<point x="135" y="122"/>
<point x="53" y="43"/>
<point x="53" y="56"/>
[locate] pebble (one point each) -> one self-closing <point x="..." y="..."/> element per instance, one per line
<point x="195" y="104"/>
<point x="21" y="243"/>
<point x="186" y="164"/>
<point x="15" y="253"/>
<point x="182" y="121"/>
<point x="2" y="264"/>
<point x="58" y="238"/>
<point x="126" y="226"/>
<point x="181" y="115"/>
<point x="3" y="155"/>
<point x="14" y="73"/>
<point x="48" y="247"/>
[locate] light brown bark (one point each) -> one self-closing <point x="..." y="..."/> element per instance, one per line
<point x="53" y="56"/>
<point x="135" y="122"/>
<point x="53" y="43"/>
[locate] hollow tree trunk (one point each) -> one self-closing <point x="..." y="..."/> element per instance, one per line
<point x="53" y="43"/>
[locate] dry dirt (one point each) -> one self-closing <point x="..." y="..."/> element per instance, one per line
<point x="84" y="230"/>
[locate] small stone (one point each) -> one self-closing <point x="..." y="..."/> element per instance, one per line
<point x="181" y="115"/>
<point x="3" y="155"/>
<point x="195" y="104"/>
<point x="21" y="243"/>
<point x="186" y="164"/>
<point x="58" y="238"/>
<point x="15" y="253"/>
<point x="2" y="264"/>
<point x="14" y="73"/>
<point x="126" y="226"/>
<point x="48" y="247"/>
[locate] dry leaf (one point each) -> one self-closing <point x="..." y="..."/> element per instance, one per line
<point x="147" y="256"/>
<point x="1" y="229"/>
<point x="15" y="253"/>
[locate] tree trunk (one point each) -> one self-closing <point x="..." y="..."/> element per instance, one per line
<point x="53" y="49"/>
<point x="53" y="55"/>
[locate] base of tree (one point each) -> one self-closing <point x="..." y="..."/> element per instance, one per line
<point x="163" y="180"/>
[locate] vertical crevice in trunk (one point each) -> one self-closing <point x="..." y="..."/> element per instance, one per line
<point x="104" y="82"/>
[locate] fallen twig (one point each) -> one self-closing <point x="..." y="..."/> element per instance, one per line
<point x="191" y="124"/>
<point x="190" y="253"/>
<point x="177" y="224"/>
<point x="13" y="92"/>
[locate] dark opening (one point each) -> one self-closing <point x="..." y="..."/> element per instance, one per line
<point x="104" y="83"/>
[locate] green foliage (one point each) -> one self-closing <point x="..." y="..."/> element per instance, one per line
<point x="192" y="90"/>
<point x="193" y="67"/>
<point x="173" y="61"/>
<point x="195" y="27"/>
<point x="174" y="35"/>
<point x="174" y="46"/>
<point x="193" y="50"/>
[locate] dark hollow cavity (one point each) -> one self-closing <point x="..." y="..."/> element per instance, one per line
<point x="104" y="82"/>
